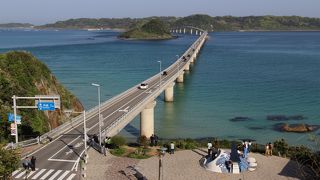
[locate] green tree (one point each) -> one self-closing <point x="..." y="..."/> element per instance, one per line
<point x="9" y="161"/>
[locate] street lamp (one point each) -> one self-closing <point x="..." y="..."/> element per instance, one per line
<point x="162" y="152"/>
<point x="178" y="62"/>
<point x="84" y="130"/>
<point x="160" y="74"/>
<point x="99" y="115"/>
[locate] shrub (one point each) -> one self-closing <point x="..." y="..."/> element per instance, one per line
<point x="281" y="146"/>
<point x="143" y="140"/>
<point x="118" y="141"/>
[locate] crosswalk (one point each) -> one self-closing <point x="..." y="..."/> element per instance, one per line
<point x="44" y="174"/>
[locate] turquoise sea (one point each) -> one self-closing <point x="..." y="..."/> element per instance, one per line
<point x="247" y="74"/>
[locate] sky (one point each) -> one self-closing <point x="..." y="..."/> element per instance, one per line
<point x="48" y="11"/>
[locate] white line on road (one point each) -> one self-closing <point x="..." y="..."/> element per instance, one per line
<point x="71" y="176"/>
<point x="64" y="147"/>
<point x="63" y="175"/>
<point x="47" y="174"/>
<point x="32" y="172"/>
<point x="21" y="174"/>
<point x="55" y="175"/>
<point x="62" y="160"/>
<point x="38" y="174"/>
<point x="16" y="171"/>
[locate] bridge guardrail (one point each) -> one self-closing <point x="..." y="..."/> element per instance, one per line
<point x="141" y="104"/>
<point x="78" y="120"/>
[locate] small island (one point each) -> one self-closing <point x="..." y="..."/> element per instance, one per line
<point x="152" y="30"/>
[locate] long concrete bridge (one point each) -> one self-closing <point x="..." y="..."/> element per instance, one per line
<point x="60" y="157"/>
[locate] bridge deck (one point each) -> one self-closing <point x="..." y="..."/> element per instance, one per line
<point x="64" y="152"/>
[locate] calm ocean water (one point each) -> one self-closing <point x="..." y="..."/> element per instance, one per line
<point x="249" y="74"/>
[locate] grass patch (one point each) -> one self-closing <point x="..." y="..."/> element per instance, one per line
<point x="118" y="151"/>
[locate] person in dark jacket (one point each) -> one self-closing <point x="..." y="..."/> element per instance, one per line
<point x="33" y="163"/>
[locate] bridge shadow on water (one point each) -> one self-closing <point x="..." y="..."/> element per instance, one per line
<point x="132" y="130"/>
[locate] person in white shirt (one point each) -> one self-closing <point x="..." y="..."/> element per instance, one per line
<point x="209" y="148"/>
<point x="171" y="148"/>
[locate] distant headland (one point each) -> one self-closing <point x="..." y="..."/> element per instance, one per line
<point x="208" y="23"/>
<point x="155" y="29"/>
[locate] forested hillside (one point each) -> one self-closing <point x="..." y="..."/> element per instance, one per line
<point x="218" y="23"/>
<point x="21" y="74"/>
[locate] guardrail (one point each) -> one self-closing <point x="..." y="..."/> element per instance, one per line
<point x="54" y="133"/>
<point x="138" y="107"/>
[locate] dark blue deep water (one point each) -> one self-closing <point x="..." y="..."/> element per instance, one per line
<point x="247" y="74"/>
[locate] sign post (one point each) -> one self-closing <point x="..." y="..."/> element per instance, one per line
<point x="42" y="103"/>
<point x="15" y="117"/>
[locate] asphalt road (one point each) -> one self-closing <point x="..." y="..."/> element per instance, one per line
<point x="63" y="153"/>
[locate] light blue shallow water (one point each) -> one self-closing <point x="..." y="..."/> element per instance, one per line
<point x="252" y="74"/>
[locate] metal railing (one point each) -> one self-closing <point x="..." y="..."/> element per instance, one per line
<point x="138" y="107"/>
<point x="74" y="122"/>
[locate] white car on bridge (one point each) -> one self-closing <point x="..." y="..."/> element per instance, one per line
<point x="143" y="86"/>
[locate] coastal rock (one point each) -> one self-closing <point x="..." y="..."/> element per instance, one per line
<point x="298" y="128"/>
<point x="284" y="117"/>
<point x="256" y="128"/>
<point x="240" y="118"/>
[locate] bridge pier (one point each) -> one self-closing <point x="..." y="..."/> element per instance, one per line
<point x="168" y="93"/>
<point x="184" y="30"/>
<point x="190" y="31"/>
<point x="193" y="57"/>
<point x="180" y="31"/>
<point x="147" y="120"/>
<point x="180" y="78"/>
<point x="187" y="67"/>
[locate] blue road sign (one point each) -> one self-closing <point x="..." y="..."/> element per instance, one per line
<point x="11" y="118"/>
<point x="46" y="106"/>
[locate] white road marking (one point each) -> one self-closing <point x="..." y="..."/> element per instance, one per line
<point x="63" y="175"/>
<point x="62" y="160"/>
<point x="32" y="172"/>
<point x="38" y="174"/>
<point x="64" y="147"/>
<point x="71" y="176"/>
<point x="78" y="144"/>
<point x="16" y="171"/>
<point x="124" y="110"/>
<point x="47" y="174"/>
<point x="69" y="152"/>
<point x="55" y="175"/>
<point x="21" y="174"/>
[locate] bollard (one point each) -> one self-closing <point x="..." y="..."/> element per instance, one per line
<point x="83" y="172"/>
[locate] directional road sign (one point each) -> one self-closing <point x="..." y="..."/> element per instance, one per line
<point x="46" y="106"/>
<point x="11" y="118"/>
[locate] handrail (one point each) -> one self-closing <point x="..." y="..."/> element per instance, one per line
<point x="141" y="104"/>
<point x="54" y="133"/>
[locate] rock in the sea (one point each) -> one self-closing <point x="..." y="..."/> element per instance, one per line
<point x="296" y="117"/>
<point x="256" y="128"/>
<point x="298" y="128"/>
<point x="240" y="118"/>
<point x="277" y="118"/>
<point x="284" y="117"/>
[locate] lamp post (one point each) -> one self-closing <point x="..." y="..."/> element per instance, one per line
<point x="99" y="115"/>
<point x="178" y="62"/>
<point x="162" y="152"/>
<point x="84" y="130"/>
<point x="160" y="74"/>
